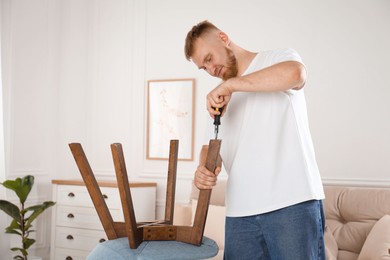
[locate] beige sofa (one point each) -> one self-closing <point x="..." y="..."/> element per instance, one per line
<point x="357" y="221"/>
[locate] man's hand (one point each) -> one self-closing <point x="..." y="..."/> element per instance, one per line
<point x="205" y="179"/>
<point x="219" y="97"/>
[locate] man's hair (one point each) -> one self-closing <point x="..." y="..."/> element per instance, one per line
<point x="196" y="32"/>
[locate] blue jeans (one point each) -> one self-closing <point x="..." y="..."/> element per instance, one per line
<point x="295" y="232"/>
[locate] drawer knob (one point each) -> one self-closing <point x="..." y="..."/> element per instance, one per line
<point x="70" y="215"/>
<point x="105" y="196"/>
<point x="102" y="240"/>
<point x="69" y="237"/>
<point x="68" y="258"/>
<point x="71" y="194"/>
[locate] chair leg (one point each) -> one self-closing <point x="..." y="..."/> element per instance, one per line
<point x="171" y="182"/>
<point x="94" y="190"/>
<point x="204" y="195"/>
<point x="134" y="234"/>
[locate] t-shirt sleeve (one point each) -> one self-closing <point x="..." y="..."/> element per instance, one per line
<point x="287" y="54"/>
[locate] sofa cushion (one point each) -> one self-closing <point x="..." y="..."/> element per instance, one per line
<point x="351" y="212"/>
<point x="350" y="236"/>
<point x="377" y="245"/>
<point x="331" y="248"/>
<point x="347" y="255"/>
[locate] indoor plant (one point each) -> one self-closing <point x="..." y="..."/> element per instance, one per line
<point x="22" y="216"/>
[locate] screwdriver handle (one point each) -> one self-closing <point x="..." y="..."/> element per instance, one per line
<point x="217" y="118"/>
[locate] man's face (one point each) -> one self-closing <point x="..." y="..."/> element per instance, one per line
<point x="212" y="54"/>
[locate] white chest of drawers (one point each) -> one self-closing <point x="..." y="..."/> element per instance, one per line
<point x="76" y="228"/>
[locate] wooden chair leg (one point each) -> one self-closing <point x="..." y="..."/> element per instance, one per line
<point x="204" y="195"/>
<point x="134" y="234"/>
<point x="94" y="190"/>
<point x="171" y="182"/>
<point x="194" y="234"/>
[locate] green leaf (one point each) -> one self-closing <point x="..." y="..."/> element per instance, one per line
<point x="30" y="231"/>
<point x="22" y="187"/>
<point x="11" y="209"/>
<point x="19" y="257"/>
<point x="32" y="208"/>
<point x="44" y="205"/>
<point x="15" y="225"/>
<point x="13" y="184"/>
<point x="16" y="249"/>
<point x="23" y="251"/>
<point x="28" y="242"/>
<point x="14" y="228"/>
<point x="12" y="231"/>
<point x="26" y="186"/>
<point x="37" y="210"/>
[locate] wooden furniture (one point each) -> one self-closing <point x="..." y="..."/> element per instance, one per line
<point x="76" y="229"/>
<point x="137" y="232"/>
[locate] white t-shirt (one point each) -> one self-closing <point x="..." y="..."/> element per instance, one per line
<point x="266" y="148"/>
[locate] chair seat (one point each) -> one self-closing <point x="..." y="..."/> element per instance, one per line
<point x="157" y="250"/>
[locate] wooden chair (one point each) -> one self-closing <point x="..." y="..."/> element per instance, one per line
<point x="137" y="232"/>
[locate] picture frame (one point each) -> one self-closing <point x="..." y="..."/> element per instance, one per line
<point x="170" y="116"/>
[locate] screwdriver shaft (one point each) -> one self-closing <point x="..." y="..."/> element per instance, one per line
<point x="217" y="122"/>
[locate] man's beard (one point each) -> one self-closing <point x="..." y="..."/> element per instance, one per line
<point x="231" y="68"/>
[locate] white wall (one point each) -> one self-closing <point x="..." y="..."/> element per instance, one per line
<point x="76" y="71"/>
<point x="3" y="218"/>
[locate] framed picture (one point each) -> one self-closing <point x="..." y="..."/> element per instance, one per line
<point x="170" y="116"/>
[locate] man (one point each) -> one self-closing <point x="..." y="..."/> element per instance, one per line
<point x="274" y="190"/>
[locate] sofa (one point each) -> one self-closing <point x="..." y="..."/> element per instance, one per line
<point x="357" y="221"/>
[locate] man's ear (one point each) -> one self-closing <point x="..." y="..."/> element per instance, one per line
<point x="225" y="38"/>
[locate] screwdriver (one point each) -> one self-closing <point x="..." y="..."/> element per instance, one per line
<point x="217" y="121"/>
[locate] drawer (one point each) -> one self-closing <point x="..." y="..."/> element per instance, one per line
<point x="72" y="195"/>
<point x="70" y="254"/>
<point x="76" y="227"/>
<point x="79" y="239"/>
<point x="80" y="217"/>
<point x="144" y="199"/>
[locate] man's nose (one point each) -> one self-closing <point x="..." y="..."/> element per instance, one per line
<point x="211" y="69"/>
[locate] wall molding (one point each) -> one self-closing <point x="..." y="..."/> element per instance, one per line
<point x="161" y="175"/>
<point x="23" y="172"/>
<point x="356" y="182"/>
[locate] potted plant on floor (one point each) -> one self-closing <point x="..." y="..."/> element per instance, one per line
<point x="22" y="216"/>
